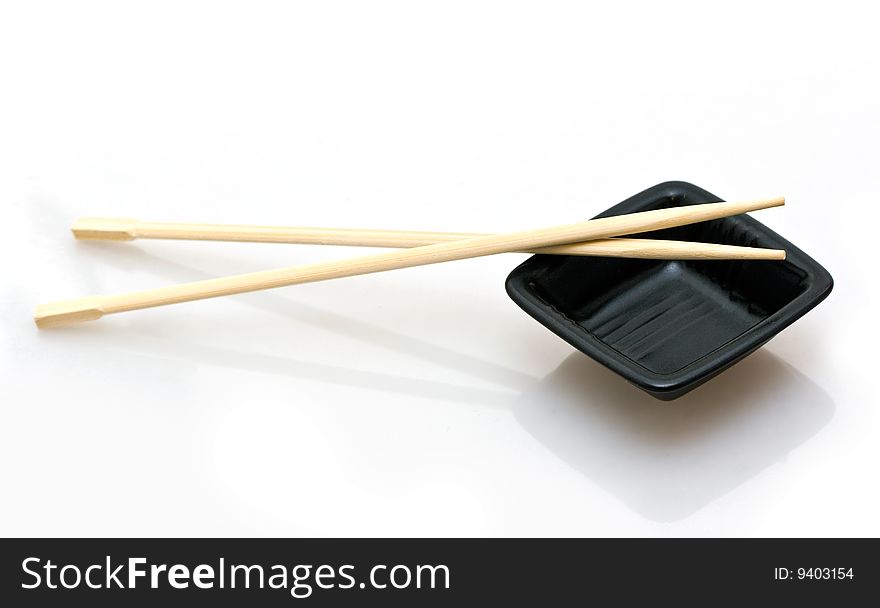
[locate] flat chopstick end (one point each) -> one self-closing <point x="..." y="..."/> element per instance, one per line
<point x="67" y="312"/>
<point x="104" y="229"/>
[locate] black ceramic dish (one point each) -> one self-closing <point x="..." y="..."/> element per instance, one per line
<point x="668" y="326"/>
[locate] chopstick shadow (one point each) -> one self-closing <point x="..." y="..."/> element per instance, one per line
<point x="666" y="461"/>
<point x="151" y="342"/>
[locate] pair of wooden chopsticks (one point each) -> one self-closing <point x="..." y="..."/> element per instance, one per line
<point x="593" y="238"/>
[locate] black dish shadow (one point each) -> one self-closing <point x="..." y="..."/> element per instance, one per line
<point x="666" y="463"/>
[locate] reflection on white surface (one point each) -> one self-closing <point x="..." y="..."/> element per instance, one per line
<point x="668" y="460"/>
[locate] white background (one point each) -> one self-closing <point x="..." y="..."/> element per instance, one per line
<point x="421" y="401"/>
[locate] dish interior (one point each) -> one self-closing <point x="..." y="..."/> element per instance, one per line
<point x="666" y="315"/>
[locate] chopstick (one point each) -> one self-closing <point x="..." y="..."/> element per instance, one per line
<point x="119" y="229"/>
<point x="94" y="307"/>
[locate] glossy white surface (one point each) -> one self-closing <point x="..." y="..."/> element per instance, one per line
<point x="422" y="401"/>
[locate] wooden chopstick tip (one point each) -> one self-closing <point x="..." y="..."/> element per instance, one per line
<point x="765" y="203"/>
<point x="104" y="229"/>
